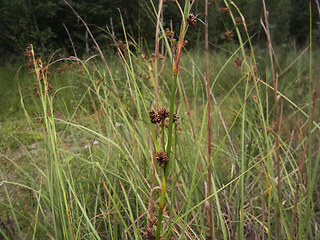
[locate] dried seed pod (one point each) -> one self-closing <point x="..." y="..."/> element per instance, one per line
<point x="212" y="3"/>
<point x="153" y="116"/>
<point x="175" y="118"/>
<point x="192" y="20"/>
<point x="162" y="158"/>
<point x="238" y="62"/>
<point x="169" y="33"/>
<point x="238" y="21"/>
<point x="162" y="114"/>
<point x="228" y="35"/>
<point x="225" y="11"/>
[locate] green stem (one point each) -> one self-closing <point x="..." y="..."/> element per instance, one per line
<point x="309" y="141"/>
<point x="166" y="168"/>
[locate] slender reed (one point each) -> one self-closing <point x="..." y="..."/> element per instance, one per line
<point x="156" y="52"/>
<point x="309" y="171"/>
<point x="209" y="130"/>
<point x="243" y="117"/>
<point x="156" y="90"/>
<point x="166" y="168"/>
<point x="276" y="118"/>
<point x="72" y="44"/>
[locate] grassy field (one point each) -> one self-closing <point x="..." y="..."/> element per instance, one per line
<point x="83" y="156"/>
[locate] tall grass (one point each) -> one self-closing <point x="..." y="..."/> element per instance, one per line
<point x="81" y="163"/>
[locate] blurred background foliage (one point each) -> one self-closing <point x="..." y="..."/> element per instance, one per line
<point x="41" y="23"/>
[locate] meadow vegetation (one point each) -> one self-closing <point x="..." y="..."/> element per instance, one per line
<point x="115" y="145"/>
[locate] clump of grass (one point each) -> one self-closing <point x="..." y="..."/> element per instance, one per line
<point x="86" y="168"/>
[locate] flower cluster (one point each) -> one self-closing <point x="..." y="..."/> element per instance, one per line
<point x="162" y="158"/>
<point x="34" y="63"/>
<point x="192" y="20"/>
<point x="61" y="70"/>
<point x="225" y="11"/>
<point x="161" y="117"/>
<point x="228" y="35"/>
<point x="169" y="33"/>
<point x="238" y="62"/>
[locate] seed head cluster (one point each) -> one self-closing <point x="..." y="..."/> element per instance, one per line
<point x="153" y="117"/>
<point x="225" y="11"/>
<point x="228" y="35"/>
<point x="162" y="158"/>
<point x="33" y="63"/>
<point x="212" y="3"/>
<point x="162" y="117"/>
<point x="238" y="62"/>
<point x="238" y="21"/>
<point x="169" y="33"/>
<point x="159" y="117"/>
<point x="192" y="20"/>
<point x="162" y="114"/>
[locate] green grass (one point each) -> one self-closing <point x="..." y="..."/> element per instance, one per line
<point x="79" y="164"/>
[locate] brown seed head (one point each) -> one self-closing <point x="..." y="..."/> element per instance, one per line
<point x="238" y="62"/>
<point x="238" y="21"/>
<point x="228" y="35"/>
<point x="153" y="116"/>
<point x="175" y="118"/>
<point x="29" y="58"/>
<point x="162" y="158"/>
<point x="192" y="20"/>
<point x="162" y="114"/>
<point x="225" y="11"/>
<point x="212" y="3"/>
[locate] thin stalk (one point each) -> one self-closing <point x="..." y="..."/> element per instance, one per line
<point x="306" y="219"/>
<point x="276" y="118"/>
<point x="58" y="197"/>
<point x="156" y="90"/>
<point x="166" y="168"/>
<point x="209" y="130"/>
<point x="243" y="116"/>
<point x="156" y="52"/>
<point x="73" y="47"/>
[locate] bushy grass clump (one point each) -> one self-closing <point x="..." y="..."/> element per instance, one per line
<point x="85" y="157"/>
